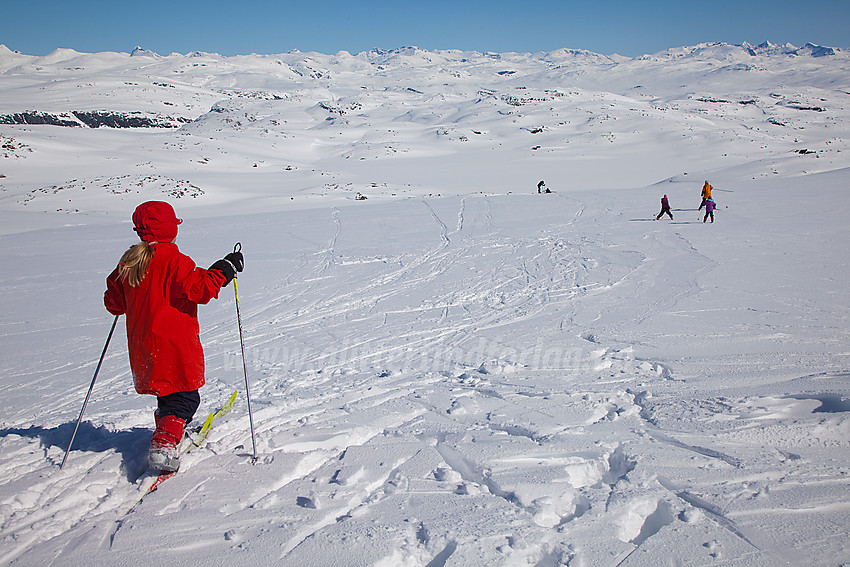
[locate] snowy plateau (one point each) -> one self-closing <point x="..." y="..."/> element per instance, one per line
<point x="446" y="367"/>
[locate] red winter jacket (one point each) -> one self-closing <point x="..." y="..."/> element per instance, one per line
<point x="162" y="320"/>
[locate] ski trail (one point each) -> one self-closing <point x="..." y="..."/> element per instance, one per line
<point x="695" y="448"/>
<point x="503" y="294"/>
<point x="328" y="255"/>
<point x="363" y="294"/>
<point x="460" y="213"/>
<point x="788" y="556"/>
<point x="579" y="212"/>
<point x="444" y="233"/>
<point x="715" y="513"/>
<point x="60" y="504"/>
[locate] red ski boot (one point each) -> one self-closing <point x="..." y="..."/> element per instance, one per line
<point x="163" y="454"/>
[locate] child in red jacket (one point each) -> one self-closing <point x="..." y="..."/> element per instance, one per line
<point x="159" y="290"/>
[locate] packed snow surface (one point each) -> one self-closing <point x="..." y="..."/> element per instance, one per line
<point x="446" y="368"/>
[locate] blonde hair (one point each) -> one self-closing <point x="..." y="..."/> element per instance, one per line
<point x="134" y="263"/>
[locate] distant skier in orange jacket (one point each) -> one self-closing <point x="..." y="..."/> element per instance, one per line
<point x="706" y="194"/>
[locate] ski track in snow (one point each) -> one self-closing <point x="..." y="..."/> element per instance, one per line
<point x="456" y="371"/>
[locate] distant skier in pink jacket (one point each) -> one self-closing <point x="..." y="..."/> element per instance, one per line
<point x="709" y="209"/>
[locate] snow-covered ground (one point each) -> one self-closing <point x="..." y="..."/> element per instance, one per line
<point x="455" y="371"/>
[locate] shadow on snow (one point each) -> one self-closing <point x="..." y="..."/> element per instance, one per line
<point x="130" y="444"/>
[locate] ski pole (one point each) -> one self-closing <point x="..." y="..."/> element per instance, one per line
<point x="238" y="248"/>
<point x="86" y="402"/>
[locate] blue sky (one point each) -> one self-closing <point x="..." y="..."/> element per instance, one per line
<point x="627" y="27"/>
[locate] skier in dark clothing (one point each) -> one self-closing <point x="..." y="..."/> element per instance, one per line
<point x="665" y="208"/>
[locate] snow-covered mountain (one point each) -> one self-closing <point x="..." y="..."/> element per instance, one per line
<point x="313" y="110"/>
<point x="447" y="367"/>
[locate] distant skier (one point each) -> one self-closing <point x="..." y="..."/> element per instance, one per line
<point x="665" y="208"/>
<point x="706" y="194"/>
<point x="159" y="290"/>
<point x="541" y="187"/>
<point x="710" y="205"/>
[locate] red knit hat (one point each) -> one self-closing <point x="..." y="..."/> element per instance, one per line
<point x="155" y="221"/>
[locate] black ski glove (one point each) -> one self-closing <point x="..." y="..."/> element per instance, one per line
<point x="237" y="260"/>
<point x="229" y="265"/>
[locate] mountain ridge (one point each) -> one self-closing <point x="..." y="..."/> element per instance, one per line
<point x="765" y="48"/>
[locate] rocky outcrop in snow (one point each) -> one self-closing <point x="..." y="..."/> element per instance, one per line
<point x="95" y="119"/>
